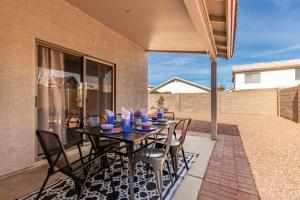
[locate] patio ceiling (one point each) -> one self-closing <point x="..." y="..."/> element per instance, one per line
<point x="199" y="26"/>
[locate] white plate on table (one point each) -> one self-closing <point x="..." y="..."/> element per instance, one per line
<point x="161" y="123"/>
<point x="152" y="128"/>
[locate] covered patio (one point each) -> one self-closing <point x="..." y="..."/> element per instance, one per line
<point x="114" y="36"/>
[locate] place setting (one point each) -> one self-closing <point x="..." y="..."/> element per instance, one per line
<point x="148" y="126"/>
<point x="110" y="129"/>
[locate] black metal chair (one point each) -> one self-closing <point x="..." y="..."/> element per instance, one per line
<point x="167" y="115"/>
<point x="102" y="144"/>
<point x="157" y="157"/>
<point x="80" y="171"/>
<point x="73" y="121"/>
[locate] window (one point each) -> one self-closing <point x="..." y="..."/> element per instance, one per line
<point x="253" y="77"/>
<point x="297" y="74"/>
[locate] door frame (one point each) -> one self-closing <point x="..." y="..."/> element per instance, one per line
<point x="39" y="42"/>
<point x="85" y="58"/>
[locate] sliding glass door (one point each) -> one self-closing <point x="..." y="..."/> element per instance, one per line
<point x="62" y="99"/>
<point x="59" y="91"/>
<point x="99" y="87"/>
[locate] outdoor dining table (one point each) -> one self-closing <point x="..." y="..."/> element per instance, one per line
<point x="130" y="139"/>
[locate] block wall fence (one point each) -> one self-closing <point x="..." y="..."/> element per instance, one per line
<point x="240" y="102"/>
<point x="275" y="102"/>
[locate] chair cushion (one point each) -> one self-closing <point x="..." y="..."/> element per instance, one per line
<point x="150" y="152"/>
<point x="175" y="142"/>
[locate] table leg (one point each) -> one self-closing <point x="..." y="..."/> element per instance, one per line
<point x="130" y="170"/>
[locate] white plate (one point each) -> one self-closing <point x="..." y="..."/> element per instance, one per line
<point x="159" y="123"/>
<point x="152" y="128"/>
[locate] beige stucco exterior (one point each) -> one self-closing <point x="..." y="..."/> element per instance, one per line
<point x="57" y="22"/>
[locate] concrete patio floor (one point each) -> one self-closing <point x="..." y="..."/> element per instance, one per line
<point x="30" y="180"/>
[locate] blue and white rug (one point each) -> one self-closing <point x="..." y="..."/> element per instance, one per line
<point x="144" y="187"/>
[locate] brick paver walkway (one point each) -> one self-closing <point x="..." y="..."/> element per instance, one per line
<point x="228" y="175"/>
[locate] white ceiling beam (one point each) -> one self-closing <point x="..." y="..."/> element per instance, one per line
<point x="230" y="25"/>
<point x="198" y="12"/>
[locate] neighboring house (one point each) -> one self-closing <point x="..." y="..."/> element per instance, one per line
<point x="150" y="88"/>
<point x="178" y="85"/>
<point x="276" y="74"/>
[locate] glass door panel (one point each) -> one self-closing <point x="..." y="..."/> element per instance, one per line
<point x="59" y="92"/>
<point x="99" y="87"/>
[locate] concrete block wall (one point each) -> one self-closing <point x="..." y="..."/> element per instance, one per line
<point x="243" y="102"/>
<point x="249" y="102"/>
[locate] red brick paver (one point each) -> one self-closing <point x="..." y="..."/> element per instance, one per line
<point x="228" y="175"/>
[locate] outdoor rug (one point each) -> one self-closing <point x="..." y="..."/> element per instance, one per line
<point x="144" y="187"/>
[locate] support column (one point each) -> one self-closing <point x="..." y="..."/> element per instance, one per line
<point x="213" y="100"/>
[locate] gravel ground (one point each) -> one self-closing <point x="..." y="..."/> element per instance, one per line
<point x="272" y="145"/>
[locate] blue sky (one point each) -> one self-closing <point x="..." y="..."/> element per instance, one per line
<point x="267" y="30"/>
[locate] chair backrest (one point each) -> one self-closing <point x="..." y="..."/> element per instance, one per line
<point x="183" y="125"/>
<point x="73" y="121"/>
<point x="94" y="120"/>
<point x="168" y="141"/>
<point x="53" y="150"/>
<point x="169" y="115"/>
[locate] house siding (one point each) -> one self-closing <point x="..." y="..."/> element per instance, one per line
<point x="57" y="22"/>
<point x="269" y="79"/>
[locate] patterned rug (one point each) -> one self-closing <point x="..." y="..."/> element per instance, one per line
<point x="144" y="187"/>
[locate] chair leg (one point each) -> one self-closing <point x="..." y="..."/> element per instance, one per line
<point x="80" y="153"/>
<point x="44" y="184"/>
<point x="122" y="162"/>
<point x="81" y="157"/>
<point x="186" y="165"/>
<point x="110" y="177"/>
<point x="158" y="176"/>
<point x="170" y="174"/>
<point x="78" y="190"/>
<point x="90" y="155"/>
<point x="84" y="182"/>
<point x="147" y="169"/>
<point x="174" y="165"/>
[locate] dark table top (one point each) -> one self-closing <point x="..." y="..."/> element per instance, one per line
<point x="131" y="137"/>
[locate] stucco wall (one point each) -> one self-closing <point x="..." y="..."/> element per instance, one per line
<point x="244" y="102"/>
<point x="57" y="22"/>
<point x="269" y="79"/>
